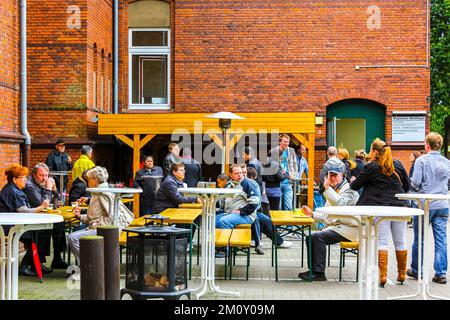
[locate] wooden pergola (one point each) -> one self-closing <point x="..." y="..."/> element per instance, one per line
<point x="136" y="130"/>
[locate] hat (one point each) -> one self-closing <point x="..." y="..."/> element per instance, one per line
<point x="335" y="168"/>
<point x="59" y="141"/>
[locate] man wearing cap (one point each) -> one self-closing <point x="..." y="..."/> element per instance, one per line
<point x="59" y="160"/>
<point x="333" y="160"/>
<point x="338" y="193"/>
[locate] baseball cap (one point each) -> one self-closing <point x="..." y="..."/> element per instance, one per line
<point x="59" y="141"/>
<point x="335" y="168"/>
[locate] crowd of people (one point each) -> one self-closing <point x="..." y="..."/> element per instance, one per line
<point x="368" y="179"/>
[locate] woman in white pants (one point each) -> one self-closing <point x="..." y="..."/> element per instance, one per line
<point x="381" y="179"/>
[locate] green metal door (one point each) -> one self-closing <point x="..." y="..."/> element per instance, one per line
<point x="368" y="123"/>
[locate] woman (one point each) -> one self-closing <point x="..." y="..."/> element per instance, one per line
<point x="148" y="179"/>
<point x="412" y="158"/>
<point x="273" y="175"/>
<point x="13" y="199"/>
<point x="360" y="160"/>
<point x="382" y="178"/>
<point x="344" y="156"/>
<point x="98" y="213"/>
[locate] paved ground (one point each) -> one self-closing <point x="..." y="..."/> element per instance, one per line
<point x="261" y="283"/>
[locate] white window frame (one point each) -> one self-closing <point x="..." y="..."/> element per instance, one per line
<point x="142" y="50"/>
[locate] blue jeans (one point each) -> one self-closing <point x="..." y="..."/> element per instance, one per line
<point x="438" y="221"/>
<point x="286" y="195"/>
<point x="229" y="221"/>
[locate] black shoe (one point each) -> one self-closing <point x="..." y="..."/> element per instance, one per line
<point x="314" y="276"/>
<point x="26" y="270"/>
<point x="45" y="269"/>
<point x="412" y="274"/>
<point x="59" y="264"/>
<point x="440" y="279"/>
<point x="259" y="250"/>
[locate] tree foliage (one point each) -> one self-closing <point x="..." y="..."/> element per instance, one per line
<point x="440" y="64"/>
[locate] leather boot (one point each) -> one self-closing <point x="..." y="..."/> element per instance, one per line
<point x="382" y="265"/>
<point x="401" y="255"/>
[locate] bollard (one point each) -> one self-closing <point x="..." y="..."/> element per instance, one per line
<point x="92" y="268"/>
<point x="112" y="265"/>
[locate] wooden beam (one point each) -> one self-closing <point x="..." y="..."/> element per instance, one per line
<point x="125" y="140"/>
<point x="136" y="161"/>
<point x="302" y="139"/>
<point x="217" y="140"/>
<point x="311" y="153"/>
<point x="146" y="140"/>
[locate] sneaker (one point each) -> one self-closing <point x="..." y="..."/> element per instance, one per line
<point x="259" y="250"/>
<point x="286" y="245"/>
<point x="252" y="243"/>
<point x="412" y="274"/>
<point x="440" y="279"/>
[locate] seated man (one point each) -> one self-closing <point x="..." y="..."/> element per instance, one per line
<point x="242" y="208"/>
<point x="38" y="189"/>
<point x="78" y="191"/>
<point x="338" y="193"/>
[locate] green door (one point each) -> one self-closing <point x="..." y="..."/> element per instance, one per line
<point x="355" y="123"/>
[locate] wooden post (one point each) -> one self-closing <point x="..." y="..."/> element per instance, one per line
<point x="112" y="265"/>
<point x="92" y="268"/>
<point x="311" y="154"/>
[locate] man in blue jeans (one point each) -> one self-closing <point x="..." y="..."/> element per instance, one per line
<point x="431" y="176"/>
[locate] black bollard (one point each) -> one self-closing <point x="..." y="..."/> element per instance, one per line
<point x="112" y="264"/>
<point x="92" y="268"/>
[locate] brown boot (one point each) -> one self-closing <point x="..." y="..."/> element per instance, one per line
<point x="382" y="265"/>
<point x="401" y="264"/>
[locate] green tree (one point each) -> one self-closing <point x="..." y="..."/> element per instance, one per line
<point x="440" y="64"/>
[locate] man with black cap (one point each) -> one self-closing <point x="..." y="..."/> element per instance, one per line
<point x="59" y="160"/>
<point x="338" y="193"/>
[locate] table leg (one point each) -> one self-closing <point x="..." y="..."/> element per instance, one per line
<point x="190" y="252"/>
<point x="117" y="197"/>
<point x="362" y="260"/>
<point x="309" y="251"/>
<point x="276" y="256"/>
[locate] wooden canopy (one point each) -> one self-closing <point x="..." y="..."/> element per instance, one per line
<point x="300" y="125"/>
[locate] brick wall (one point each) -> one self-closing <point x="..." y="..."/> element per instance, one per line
<point x="9" y="84"/>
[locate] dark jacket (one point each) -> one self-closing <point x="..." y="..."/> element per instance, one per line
<point x="272" y="174"/>
<point x="359" y="166"/>
<point x="37" y="194"/>
<point x="379" y="189"/>
<point x="78" y="190"/>
<point x="193" y="172"/>
<point x="12" y="198"/>
<point x="168" y="161"/>
<point x="168" y="195"/>
<point x="149" y="186"/>
<point x="58" y="162"/>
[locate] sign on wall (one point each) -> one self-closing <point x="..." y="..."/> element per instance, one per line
<point x="408" y="128"/>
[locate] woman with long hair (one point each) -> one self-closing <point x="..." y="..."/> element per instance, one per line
<point x="350" y="165"/>
<point x="382" y="178"/>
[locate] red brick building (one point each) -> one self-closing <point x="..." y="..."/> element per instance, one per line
<point x="356" y="65"/>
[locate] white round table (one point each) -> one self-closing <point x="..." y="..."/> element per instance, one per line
<point x="367" y="218"/>
<point x="209" y="197"/>
<point x="9" y="259"/>
<point x="118" y="194"/>
<point x="423" y="284"/>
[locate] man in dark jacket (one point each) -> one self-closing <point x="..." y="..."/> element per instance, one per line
<point x="39" y="188"/>
<point x="78" y="191"/>
<point x="168" y="195"/>
<point x="193" y="168"/>
<point x="148" y="179"/>
<point x="172" y="157"/>
<point x="59" y="160"/>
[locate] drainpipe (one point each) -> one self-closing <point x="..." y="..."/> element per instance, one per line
<point x="23" y="84"/>
<point x="116" y="56"/>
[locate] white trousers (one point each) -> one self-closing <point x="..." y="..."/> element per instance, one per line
<point x="398" y="231"/>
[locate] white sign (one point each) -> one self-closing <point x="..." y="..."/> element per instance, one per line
<point x="408" y="128"/>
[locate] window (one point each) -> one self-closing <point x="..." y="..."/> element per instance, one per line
<point x="149" y="68"/>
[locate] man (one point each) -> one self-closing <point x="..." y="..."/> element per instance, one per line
<point x="59" y="160"/>
<point x="242" y="208"/>
<point x="78" y="191"/>
<point x="338" y="193"/>
<point x="38" y="189"/>
<point x="287" y="159"/>
<point x="302" y="162"/>
<point x="172" y="157"/>
<point x="83" y="163"/>
<point x="193" y="169"/>
<point x="431" y="176"/>
<point x="148" y="179"/>
<point x="333" y="161"/>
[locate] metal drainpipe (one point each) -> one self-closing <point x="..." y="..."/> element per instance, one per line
<point x="23" y="84"/>
<point x="116" y="55"/>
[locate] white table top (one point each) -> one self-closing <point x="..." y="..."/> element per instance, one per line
<point x="210" y="191"/>
<point x="424" y="196"/>
<point x="371" y="211"/>
<point x="15" y="218"/>
<point x="114" y="190"/>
